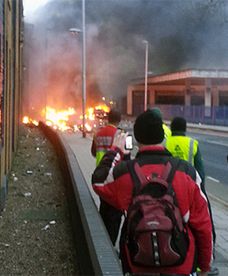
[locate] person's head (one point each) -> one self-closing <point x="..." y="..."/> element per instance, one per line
<point x="157" y="111"/>
<point x="114" y="117"/>
<point x="148" y="129"/>
<point x="178" y="124"/>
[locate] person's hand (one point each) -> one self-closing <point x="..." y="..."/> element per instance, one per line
<point x="120" y="140"/>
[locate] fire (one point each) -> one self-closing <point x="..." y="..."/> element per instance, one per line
<point x="91" y="111"/>
<point x="58" y="119"/>
<point x="103" y="107"/>
<point x="67" y="119"/>
<point x="26" y="120"/>
<point x="90" y="114"/>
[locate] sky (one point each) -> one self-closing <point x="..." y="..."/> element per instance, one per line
<point x="30" y="6"/>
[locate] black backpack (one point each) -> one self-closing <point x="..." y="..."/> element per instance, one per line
<point x="155" y="235"/>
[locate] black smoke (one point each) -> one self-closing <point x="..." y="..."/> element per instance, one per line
<point x="181" y="34"/>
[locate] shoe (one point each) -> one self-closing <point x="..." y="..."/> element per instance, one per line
<point x="213" y="271"/>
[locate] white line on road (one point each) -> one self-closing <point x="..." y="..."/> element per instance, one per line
<point x="217" y="143"/>
<point x="220" y="143"/>
<point x="213" y="179"/>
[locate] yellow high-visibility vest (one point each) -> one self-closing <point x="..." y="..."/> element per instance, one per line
<point x="167" y="131"/>
<point x="183" y="147"/>
<point x="99" y="155"/>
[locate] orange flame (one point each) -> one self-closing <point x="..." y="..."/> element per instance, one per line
<point x="58" y="119"/>
<point x="103" y="107"/>
<point x="26" y="120"/>
<point x="62" y="119"/>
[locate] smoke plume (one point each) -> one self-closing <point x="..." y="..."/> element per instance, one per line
<point x="181" y="34"/>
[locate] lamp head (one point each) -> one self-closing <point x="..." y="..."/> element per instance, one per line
<point x="75" y="30"/>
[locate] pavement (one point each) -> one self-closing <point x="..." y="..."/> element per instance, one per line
<point x="218" y="197"/>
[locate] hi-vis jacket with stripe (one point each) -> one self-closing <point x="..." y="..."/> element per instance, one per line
<point x="112" y="182"/>
<point x="102" y="141"/>
<point x="186" y="148"/>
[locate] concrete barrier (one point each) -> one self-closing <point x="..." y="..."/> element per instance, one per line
<point x="96" y="254"/>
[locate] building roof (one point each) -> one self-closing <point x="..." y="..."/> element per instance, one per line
<point x="198" y="75"/>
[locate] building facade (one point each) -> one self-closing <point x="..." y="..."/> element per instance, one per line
<point x="192" y="87"/>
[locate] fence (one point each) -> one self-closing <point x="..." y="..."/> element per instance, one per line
<point x="197" y="114"/>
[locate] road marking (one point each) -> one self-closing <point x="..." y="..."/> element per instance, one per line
<point x="201" y="139"/>
<point x="217" y="143"/>
<point x="213" y="179"/>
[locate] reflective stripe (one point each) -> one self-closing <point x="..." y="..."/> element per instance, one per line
<point x="103" y="144"/>
<point x="104" y="141"/>
<point x="190" y="152"/>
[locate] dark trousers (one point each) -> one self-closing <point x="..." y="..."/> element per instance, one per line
<point x="111" y="218"/>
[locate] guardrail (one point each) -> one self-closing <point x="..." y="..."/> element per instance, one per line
<point x="213" y="115"/>
<point x="190" y="125"/>
<point x="96" y="255"/>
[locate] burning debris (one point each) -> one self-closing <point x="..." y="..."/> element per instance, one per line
<point x="69" y="120"/>
<point x="28" y="121"/>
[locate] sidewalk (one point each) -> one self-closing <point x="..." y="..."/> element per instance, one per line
<point x="81" y="148"/>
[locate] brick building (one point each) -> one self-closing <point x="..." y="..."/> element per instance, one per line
<point x="192" y="87"/>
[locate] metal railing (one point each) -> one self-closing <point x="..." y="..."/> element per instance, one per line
<point x="197" y="114"/>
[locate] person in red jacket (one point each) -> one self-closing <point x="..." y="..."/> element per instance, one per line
<point x="113" y="183"/>
<point x="102" y="141"/>
<point x="103" y="138"/>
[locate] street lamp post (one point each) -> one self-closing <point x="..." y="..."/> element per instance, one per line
<point x="83" y="69"/>
<point x="146" y="74"/>
<point x="83" y="31"/>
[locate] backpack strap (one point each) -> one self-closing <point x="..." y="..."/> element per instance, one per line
<point x="173" y="164"/>
<point x="138" y="178"/>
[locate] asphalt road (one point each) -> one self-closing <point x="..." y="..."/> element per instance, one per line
<point x="214" y="150"/>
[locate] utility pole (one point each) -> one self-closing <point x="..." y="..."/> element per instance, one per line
<point x="83" y="69"/>
<point x="146" y="74"/>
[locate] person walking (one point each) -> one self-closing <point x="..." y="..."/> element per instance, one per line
<point x="102" y="141"/>
<point x="103" y="138"/>
<point x="184" y="147"/>
<point x="112" y="181"/>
